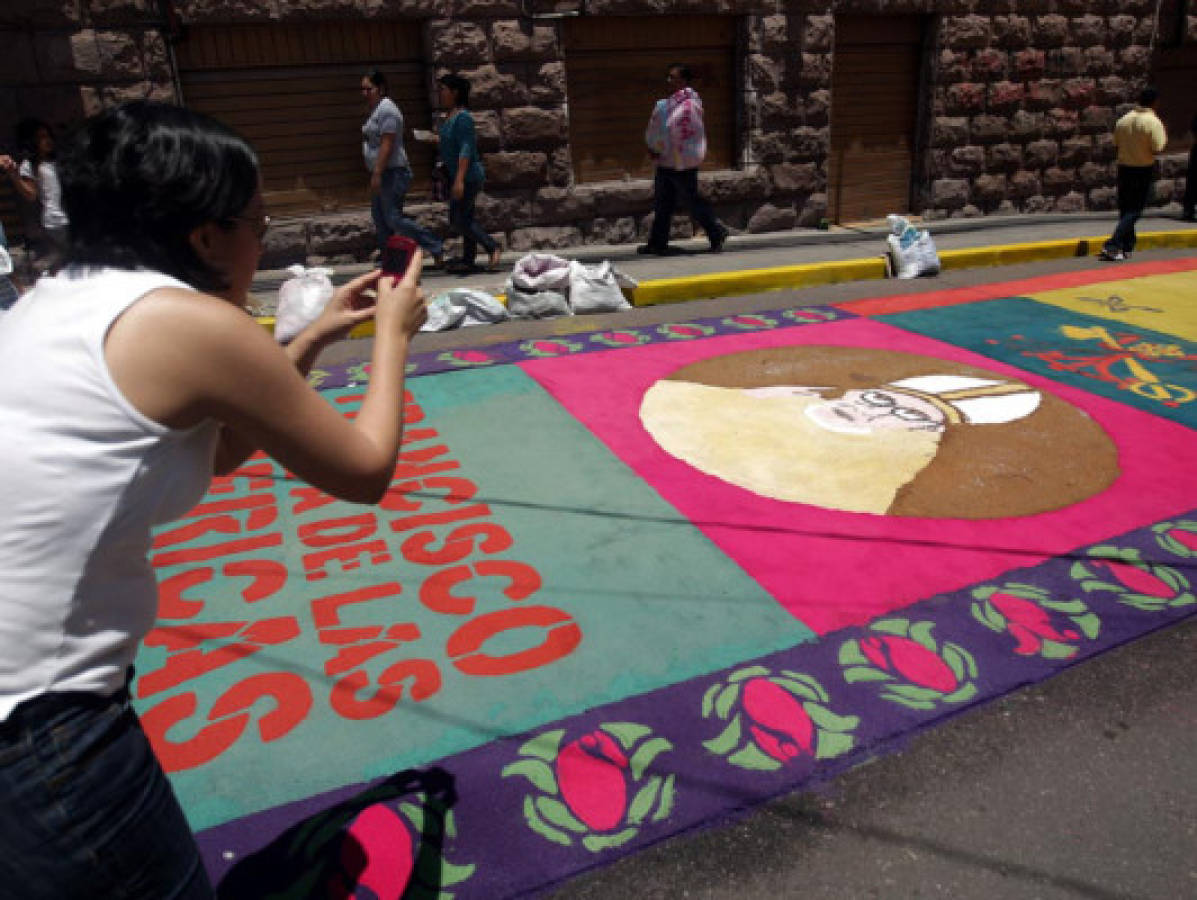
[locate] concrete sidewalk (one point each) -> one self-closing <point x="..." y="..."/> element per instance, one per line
<point x="751" y="263"/>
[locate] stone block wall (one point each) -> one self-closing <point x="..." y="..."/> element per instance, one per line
<point x="1020" y="99"/>
<point x="1023" y="104"/>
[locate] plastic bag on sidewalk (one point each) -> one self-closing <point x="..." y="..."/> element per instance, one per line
<point x="538" y="286"/>
<point x="300" y="300"/>
<point x="597" y="288"/>
<point x="911" y="252"/>
<point x="463" y="307"/>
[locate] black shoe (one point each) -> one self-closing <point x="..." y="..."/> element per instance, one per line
<point x="1189" y="217"/>
<point x="651" y="250"/>
<point x="718" y="239"/>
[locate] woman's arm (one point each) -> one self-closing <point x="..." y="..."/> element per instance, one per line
<point x="386" y="145"/>
<point x="464" y="124"/>
<point x="25" y="185"/>
<point x="346" y="308"/>
<point x="182" y="358"/>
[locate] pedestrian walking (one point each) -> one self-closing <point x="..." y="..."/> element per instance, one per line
<point x="8" y="291"/>
<point x="35" y="180"/>
<point x="1138" y="136"/>
<point x="149" y="378"/>
<point x="390" y="172"/>
<point x="1189" y="204"/>
<point x="458" y="143"/>
<point x="677" y="142"/>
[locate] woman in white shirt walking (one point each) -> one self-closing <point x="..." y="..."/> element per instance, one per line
<point x="36" y="183"/>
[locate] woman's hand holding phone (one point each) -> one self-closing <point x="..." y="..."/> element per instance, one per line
<point x="401" y="306"/>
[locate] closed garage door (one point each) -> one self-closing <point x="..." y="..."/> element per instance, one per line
<point x="615" y="68"/>
<point x="294" y="92"/>
<point x="874" y="111"/>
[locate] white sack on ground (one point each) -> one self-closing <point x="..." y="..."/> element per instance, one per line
<point x="300" y="300"/>
<point x="597" y="288"/>
<point x="462" y="307"/>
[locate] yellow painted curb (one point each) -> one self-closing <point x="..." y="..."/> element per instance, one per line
<point x="780" y="278"/>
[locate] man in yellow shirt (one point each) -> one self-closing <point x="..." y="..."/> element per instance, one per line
<point x="1139" y="136"/>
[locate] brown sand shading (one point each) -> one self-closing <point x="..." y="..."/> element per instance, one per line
<point x="1055" y="457"/>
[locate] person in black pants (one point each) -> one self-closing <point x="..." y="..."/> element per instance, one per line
<point x="677" y="142"/>
<point x="1139" y="136"/>
<point x="1189" y="203"/>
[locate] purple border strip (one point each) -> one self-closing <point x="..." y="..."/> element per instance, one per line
<point x="432" y="363"/>
<point x="672" y="760"/>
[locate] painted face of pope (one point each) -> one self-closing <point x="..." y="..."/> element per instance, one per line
<point x="794" y="443"/>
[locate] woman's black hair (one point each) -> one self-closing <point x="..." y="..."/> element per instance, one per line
<point x="460" y="88"/>
<point x="377" y="79"/>
<point x="138" y="179"/>
<point x="27" y="130"/>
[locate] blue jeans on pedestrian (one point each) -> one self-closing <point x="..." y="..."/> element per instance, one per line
<point x="387" y="210"/>
<point x="669" y="187"/>
<point x="461" y="220"/>
<point x="85" y="808"/>
<point x="1134" y="190"/>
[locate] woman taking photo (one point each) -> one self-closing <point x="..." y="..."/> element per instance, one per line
<point x="150" y="377"/>
<point x="459" y="153"/>
<point x="390" y="173"/>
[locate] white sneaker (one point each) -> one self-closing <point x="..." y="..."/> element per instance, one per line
<point x="1116" y="256"/>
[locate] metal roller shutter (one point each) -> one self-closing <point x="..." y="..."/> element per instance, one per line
<point x="615" y="70"/>
<point x="294" y="92"/>
<point x="874" y="110"/>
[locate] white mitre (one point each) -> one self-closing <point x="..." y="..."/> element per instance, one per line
<point x="976" y="401"/>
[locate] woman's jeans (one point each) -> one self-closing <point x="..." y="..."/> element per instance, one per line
<point x="461" y="220"/>
<point x="85" y="808"/>
<point x="387" y="210"/>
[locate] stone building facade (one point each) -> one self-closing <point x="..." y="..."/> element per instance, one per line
<point x="1016" y="101"/>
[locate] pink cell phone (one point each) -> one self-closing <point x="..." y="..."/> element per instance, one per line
<point x="397" y="255"/>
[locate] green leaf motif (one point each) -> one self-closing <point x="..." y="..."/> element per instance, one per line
<point x="726" y="740"/>
<point x="598" y="842"/>
<point x="627" y="733"/>
<point x="912" y="704"/>
<point x="984" y="592"/>
<point x="865" y="673"/>
<point x="540" y="827"/>
<point x="667" y="796"/>
<point x="1067" y="607"/>
<point x="826" y="720"/>
<point x="914" y="692"/>
<point x="850" y="654"/>
<point x="799" y="688"/>
<point x="832" y="745"/>
<point x="557" y="813"/>
<point x="752" y="758"/>
<point x="897" y="627"/>
<point x="647" y="752"/>
<point x="451" y="874"/>
<point x="1026" y="591"/>
<point x="536" y="771"/>
<point x="954" y="660"/>
<point x="963" y="694"/>
<point x="544" y="746"/>
<point x="723" y="703"/>
<point x="1089" y="624"/>
<point x="746" y="673"/>
<point x="1079" y="571"/>
<point x="988" y="616"/>
<point x="921" y="635"/>
<point x="642" y="803"/>
<point x="708" y="700"/>
<point x="810" y="681"/>
<point x="1056" y="650"/>
<point x="450" y="825"/>
<point x="414" y="813"/>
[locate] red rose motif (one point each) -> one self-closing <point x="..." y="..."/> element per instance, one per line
<point x="471" y="356"/>
<point x="1137" y="580"/>
<point x="780" y="726"/>
<point x="376" y="854"/>
<point x="914" y="662"/>
<point x="1029" y="623"/>
<point x="590" y="776"/>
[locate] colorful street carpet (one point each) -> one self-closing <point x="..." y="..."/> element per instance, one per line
<point x="633" y="582"/>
